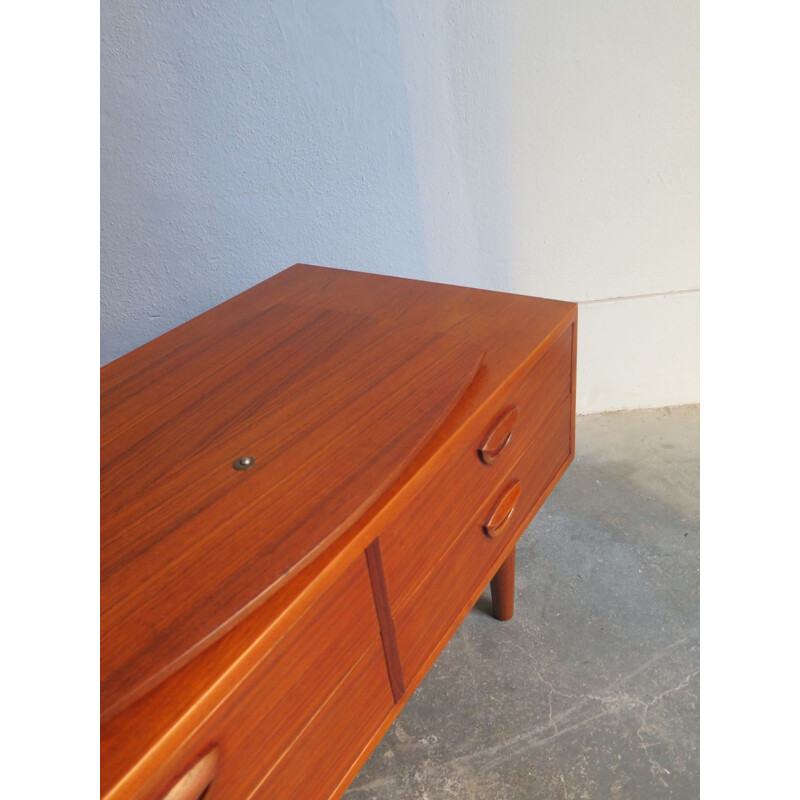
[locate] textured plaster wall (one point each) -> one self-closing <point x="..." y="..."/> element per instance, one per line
<point x="546" y="147"/>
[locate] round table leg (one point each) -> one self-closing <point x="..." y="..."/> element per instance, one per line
<point x="503" y="589"/>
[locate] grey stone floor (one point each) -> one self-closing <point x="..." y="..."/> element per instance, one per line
<point x="592" y="689"/>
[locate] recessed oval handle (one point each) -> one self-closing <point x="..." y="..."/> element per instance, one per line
<point x="503" y="508"/>
<point x="194" y="782"/>
<point x="499" y="436"/>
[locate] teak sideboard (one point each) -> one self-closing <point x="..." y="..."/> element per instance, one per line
<point x="303" y="492"/>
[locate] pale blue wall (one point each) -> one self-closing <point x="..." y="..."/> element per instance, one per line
<point x="546" y="147"/>
<point x="239" y="138"/>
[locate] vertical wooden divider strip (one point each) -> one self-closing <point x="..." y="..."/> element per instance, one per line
<point x="385" y="621"/>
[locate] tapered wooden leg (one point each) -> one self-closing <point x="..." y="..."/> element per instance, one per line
<point x="503" y="589"/>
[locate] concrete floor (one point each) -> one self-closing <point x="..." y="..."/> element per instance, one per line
<point x="592" y="689"/>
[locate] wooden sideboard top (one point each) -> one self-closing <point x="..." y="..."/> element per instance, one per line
<point x="338" y="384"/>
<point x="329" y="406"/>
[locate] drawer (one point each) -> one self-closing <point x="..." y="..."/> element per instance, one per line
<point x="460" y="483"/>
<point x="429" y="612"/>
<point x="316" y="765"/>
<point x="326" y="660"/>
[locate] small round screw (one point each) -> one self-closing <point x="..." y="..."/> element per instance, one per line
<point x="244" y="462"/>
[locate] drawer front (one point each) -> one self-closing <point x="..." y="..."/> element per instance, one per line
<point x="274" y="710"/>
<point x="316" y="765"/>
<point x="470" y="469"/>
<point x="430" y="611"/>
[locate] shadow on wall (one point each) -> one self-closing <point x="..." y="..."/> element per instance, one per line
<point x="539" y="147"/>
<point x="239" y="138"/>
<point x="459" y="74"/>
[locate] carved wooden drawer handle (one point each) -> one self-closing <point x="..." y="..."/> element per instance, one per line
<point x="502" y="509"/>
<point x="194" y="782"/>
<point x="499" y="436"/>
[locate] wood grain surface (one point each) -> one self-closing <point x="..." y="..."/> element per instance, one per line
<point x="447" y="634"/>
<point x="503" y="588"/>
<point x="202" y="682"/>
<point x="329" y="405"/>
<point x="509" y="327"/>
<point x="499" y="436"/>
<point x="313" y="768"/>
<point x="385" y="621"/>
<point x="417" y="531"/>
<point x="195" y="782"/>
<point x="499" y="517"/>
<point x="270" y="707"/>
<point x="423" y="619"/>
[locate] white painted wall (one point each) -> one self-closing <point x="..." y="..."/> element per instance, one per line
<point x="545" y="147"/>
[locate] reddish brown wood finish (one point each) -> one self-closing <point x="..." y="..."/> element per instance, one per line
<point x="459" y="486"/>
<point x="314" y="766"/>
<point x="499" y="436"/>
<point x="511" y="328"/>
<point x="268" y="711"/>
<point x="384" y="611"/>
<point x="502" y="509"/>
<point x="414" y="682"/>
<point x="428" y="515"/>
<point x="194" y="783"/>
<point x="422" y="620"/>
<point x="503" y="588"/>
<point x="327" y="400"/>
